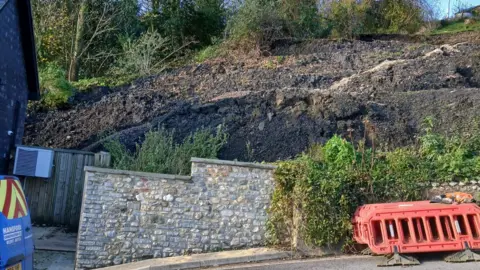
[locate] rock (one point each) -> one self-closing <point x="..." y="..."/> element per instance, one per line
<point x="168" y="198"/>
<point x="435" y="185"/>
<point x="117" y="260"/>
<point x="461" y="184"/>
<point x="127" y="244"/>
<point x="235" y="241"/>
<point x="434" y="52"/>
<point x="226" y="213"/>
<point x="448" y="49"/>
<point x="452" y="184"/>
<point x="261" y="126"/>
<point x="269" y="116"/>
<point x="198" y="216"/>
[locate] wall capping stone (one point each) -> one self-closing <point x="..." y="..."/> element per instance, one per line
<point x="233" y="163"/>
<point x="141" y="174"/>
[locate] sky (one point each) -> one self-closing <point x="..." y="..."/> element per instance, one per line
<point x="444" y="5"/>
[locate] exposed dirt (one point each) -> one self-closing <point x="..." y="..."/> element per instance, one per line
<point x="304" y="93"/>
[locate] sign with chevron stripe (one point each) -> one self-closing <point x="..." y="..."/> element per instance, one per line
<point x="12" y="200"/>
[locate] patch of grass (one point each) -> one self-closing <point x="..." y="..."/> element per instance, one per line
<point x="270" y="64"/>
<point x="84" y="85"/>
<point x="456" y="27"/>
<point x="281" y="59"/>
<point x="207" y="53"/>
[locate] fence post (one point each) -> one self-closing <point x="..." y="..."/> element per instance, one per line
<point x="102" y="159"/>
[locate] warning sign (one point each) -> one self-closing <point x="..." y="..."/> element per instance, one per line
<point x="12" y="200"/>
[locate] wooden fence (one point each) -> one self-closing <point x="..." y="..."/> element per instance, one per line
<point x="58" y="200"/>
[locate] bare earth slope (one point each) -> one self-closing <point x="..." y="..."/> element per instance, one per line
<point x="280" y="105"/>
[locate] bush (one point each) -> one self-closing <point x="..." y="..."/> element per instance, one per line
<point x="328" y="182"/>
<point x="401" y="16"/>
<point x="160" y="154"/>
<point x="54" y="87"/>
<point x="346" y="18"/>
<point x="143" y="56"/>
<point x="349" y="18"/>
<point x="257" y="24"/>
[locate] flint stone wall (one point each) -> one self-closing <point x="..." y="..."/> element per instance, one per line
<point x="472" y="187"/>
<point x="129" y="216"/>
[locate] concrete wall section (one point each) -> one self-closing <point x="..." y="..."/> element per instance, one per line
<point x="129" y="216"/>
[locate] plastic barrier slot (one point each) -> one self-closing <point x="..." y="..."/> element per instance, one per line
<point x="474" y="225"/>
<point x="407" y="237"/>
<point x="419" y="228"/>
<point x="460" y="225"/>
<point x="447" y="228"/>
<point x="377" y="232"/>
<point x="432" y="223"/>
<point x="391" y="229"/>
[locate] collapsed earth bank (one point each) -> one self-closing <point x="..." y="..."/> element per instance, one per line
<point x="275" y="107"/>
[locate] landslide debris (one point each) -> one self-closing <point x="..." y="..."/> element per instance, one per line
<point x="279" y="105"/>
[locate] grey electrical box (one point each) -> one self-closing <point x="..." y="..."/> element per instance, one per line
<point x="31" y="161"/>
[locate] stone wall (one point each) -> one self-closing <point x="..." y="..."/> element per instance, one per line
<point x="128" y="216"/>
<point x="472" y="187"/>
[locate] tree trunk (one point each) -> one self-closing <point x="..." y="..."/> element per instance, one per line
<point x="78" y="42"/>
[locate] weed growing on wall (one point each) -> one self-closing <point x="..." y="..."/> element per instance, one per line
<point x="159" y="153"/>
<point x="320" y="190"/>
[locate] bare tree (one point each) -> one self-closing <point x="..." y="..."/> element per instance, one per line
<point x="83" y="40"/>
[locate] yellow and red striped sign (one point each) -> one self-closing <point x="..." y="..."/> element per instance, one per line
<point x="12" y="200"/>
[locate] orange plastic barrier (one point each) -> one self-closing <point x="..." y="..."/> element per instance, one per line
<point x="416" y="227"/>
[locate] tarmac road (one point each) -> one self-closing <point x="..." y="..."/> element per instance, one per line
<point x="431" y="262"/>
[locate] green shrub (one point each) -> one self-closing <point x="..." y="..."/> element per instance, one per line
<point x="349" y="18"/>
<point x="160" y="154"/>
<point x="143" y="56"/>
<point x="346" y="18"/>
<point x="257" y="24"/>
<point x="328" y="182"/>
<point x="394" y="16"/>
<point x="54" y="87"/>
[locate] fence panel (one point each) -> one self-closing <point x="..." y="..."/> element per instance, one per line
<point x="57" y="200"/>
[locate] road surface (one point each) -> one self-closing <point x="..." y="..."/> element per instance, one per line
<point x="53" y="260"/>
<point x="351" y="263"/>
